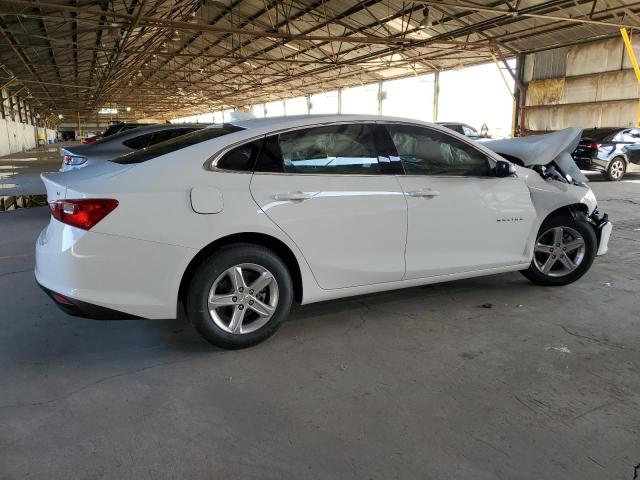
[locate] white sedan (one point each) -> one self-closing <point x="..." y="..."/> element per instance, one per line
<point x="239" y="220"/>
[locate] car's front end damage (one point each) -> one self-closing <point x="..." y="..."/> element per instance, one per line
<point x="558" y="181"/>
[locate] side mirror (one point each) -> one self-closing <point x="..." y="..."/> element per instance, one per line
<point x="504" y="169"/>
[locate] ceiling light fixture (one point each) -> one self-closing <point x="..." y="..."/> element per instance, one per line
<point x="427" y="21"/>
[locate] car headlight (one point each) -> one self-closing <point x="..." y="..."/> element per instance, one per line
<point x="74" y="160"/>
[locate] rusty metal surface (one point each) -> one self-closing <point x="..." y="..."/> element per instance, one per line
<point x="167" y="59"/>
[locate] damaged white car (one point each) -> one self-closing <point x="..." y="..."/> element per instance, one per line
<point x="237" y="221"/>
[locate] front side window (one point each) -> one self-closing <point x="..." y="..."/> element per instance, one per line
<point x="430" y="152"/>
<point x="332" y="149"/>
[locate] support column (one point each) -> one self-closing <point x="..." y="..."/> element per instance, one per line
<point x="339" y="101"/>
<point x="634" y="63"/>
<point x="520" y="95"/>
<point x="436" y="95"/>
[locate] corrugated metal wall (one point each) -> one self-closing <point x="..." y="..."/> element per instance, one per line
<point x="586" y="85"/>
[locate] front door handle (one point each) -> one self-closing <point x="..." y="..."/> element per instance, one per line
<point x="427" y="192"/>
<point x="293" y="196"/>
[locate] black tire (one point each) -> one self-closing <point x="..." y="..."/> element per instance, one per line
<point x="212" y="268"/>
<point x="535" y="274"/>
<point x="616" y="169"/>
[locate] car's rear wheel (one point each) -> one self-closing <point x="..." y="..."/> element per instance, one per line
<point x="564" y="251"/>
<point x="616" y="169"/>
<point x="240" y="296"/>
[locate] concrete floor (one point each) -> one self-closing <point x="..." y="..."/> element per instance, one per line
<point x="421" y="383"/>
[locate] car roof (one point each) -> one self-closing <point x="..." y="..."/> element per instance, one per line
<point x="277" y="123"/>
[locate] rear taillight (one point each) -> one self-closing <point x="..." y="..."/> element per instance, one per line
<point x="82" y="213"/>
<point x="593" y="146"/>
<point x="74" y="160"/>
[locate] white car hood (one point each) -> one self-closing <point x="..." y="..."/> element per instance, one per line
<point x="554" y="147"/>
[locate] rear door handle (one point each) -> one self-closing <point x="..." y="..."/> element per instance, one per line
<point x="427" y="192"/>
<point x="293" y="196"/>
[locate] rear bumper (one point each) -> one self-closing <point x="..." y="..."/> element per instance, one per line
<point x="78" y="308"/>
<point x="109" y="276"/>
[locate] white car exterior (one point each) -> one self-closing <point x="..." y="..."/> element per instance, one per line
<point x="342" y="233"/>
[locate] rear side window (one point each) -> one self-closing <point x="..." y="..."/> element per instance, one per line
<point x="430" y="152"/>
<point x="138" y="142"/>
<point x="341" y="149"/>
<point x="178" y="143"/>
<point x="242" y="158"/>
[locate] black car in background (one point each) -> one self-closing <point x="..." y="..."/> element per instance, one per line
<point x="602" y="150"/>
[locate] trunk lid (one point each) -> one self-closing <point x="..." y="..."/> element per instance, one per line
<point x="60" y="185"/>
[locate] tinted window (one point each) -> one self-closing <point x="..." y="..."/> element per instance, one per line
<point x="242" y="158"/>
<point x="270" y="159"/>
<point x="168" y="134"/>
<point x="138" y="142"/>
<point x="333" y="149"/>
<point x="429" y="152"/>
<point x="178" y="143"/>
<point x="456" y="127"/>
<point x="599" y="134"/>
<point x="469" y="131"/>
<point x="630" y="135"/>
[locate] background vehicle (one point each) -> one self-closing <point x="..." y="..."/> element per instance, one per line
<point x="126" y="141"/>
<point x="122" y="127"/>
<point x="112" y="130"/>
<point x="238" y="220"/>
<point x="600" y="150"/>
<point x="464" y="129"/>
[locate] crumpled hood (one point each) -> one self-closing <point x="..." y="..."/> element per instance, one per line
<point x="554" y="147"/>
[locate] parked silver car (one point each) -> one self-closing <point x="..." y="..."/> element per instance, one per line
<point x="80" y="156"/>
<point x="602" y="150"/>
<point x="466" y="130"/>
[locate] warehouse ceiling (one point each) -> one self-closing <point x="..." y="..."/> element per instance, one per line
<point x="169" y="58"/>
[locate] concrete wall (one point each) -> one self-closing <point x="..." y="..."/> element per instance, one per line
<point x="588" y="85"/>
<point x="18" y="137"/>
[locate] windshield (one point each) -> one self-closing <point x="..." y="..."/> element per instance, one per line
<point x="178" y="143"/>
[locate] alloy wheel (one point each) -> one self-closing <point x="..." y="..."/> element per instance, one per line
<point x="559" y="251"/>
<point x="616" y="170"/>
<point x="243" y="298"/>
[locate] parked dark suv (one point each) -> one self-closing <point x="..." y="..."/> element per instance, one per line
<point x="602" y="150"/>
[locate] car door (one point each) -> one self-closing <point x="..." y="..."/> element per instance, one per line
<point x="461" y="217"/>
<point x="332" y="189"/>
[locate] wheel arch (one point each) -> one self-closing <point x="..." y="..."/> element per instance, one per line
<point x="574" y="210"/>
<point x="255" y="238"/>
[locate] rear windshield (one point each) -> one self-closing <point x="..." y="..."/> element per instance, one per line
<point x="114" y="137"/>
<point x="599" y="134"/>
<point x="178" y="143"/>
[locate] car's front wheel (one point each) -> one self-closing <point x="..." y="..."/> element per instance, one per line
<point x="564" y="251"/>
<point x="616" y="169"/>
<point x="240" y="296"/>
